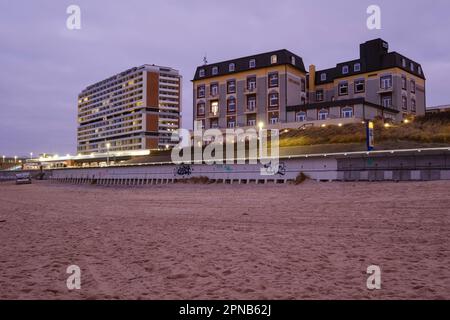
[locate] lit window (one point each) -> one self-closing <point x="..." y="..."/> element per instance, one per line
<point x="323" y="77"/>
<point x="214" y="108"/>
<point x="215" y="70"/>
<point x="273" y="59"/>
<point x="344" y="69"/>
<point x="252" y="63"/>
<point x="231" y="67"/>
<point x="201" y="73"/>
<point x="357" y="67"/>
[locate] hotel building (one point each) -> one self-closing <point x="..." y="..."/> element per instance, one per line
<point x="275" y="89"/>
<point x="245" y="91"/>
<point x="137" y="109"/>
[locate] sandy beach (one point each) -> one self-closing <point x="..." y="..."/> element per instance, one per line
<point x="311" y="241"/>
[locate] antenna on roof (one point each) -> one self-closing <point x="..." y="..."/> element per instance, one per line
<point x="205" y="60"/>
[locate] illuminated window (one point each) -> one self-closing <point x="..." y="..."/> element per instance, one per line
<point x="214" y="109"/>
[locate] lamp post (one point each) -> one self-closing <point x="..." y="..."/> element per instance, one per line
<point x="108" y="145"/>
<point x="3" y="157"/>
<point x="31" y="155"/>
<point x="15" y="159"/>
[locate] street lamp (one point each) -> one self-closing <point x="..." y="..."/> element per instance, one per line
<point x="260" y="125"/>
<point x="3" y="157"/>
<point x="31" y="155"/>
<point x="108" y="145"/>
<point x="15" y="159"/>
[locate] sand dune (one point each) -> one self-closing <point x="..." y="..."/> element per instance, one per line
<point x="309" y="241"/>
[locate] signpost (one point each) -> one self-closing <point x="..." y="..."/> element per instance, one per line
<point x="369" y="135"/>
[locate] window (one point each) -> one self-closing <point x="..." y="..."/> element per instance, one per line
<point x="419" y="69"/>
<point x="323" y="77"/>
<point x="357" y="67"/>
<point x="293" y="60"/>
<point x="214" y="109"/>
<point x="231" y="122"/>
<point x="231" y="86"/>
<point x="231" y="104"/>
<point x="404" y="62"/>
<point x="273" y="100"/>
<point x="302" y="85"/>
<point x="273" y="119"/>
<point x="251" y="83"/>
<point x="404" y="103"/>
<point x="231" y="67"/>
<point x="344" y="69"/>
<point x="343" y="88"/>
<point x="360" y="86"/>
<point x="319" y="95"/>
<point x="323" y="114"/>
<point x="214" y="123"/>
<point x="201" y="91"/>
<point x="273" y="59"/>
<point x="386" y="82"/>
<point x="252" y="63"/>
<point x="411" y="66"/>
<point x="215" y="70"/>
<point x="386" y="101"/>
<point x="251" y="122"/>
<point x="404" y="83"/>
<point x="347" y="112"/>
<point x="273" y="79"/>
<point x="413" y="86"/>
<point x="201" y="73"/>
<point x="201" y="109"/>
<point x="251" y="103"/>
<point x="300" y="116"/>
<point x="214" y="89"/>
<point x="413" y="105"/>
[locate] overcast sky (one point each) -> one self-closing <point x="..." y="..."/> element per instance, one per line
<point x="43" y="65"/>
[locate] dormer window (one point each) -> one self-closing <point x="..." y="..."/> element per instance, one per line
<point x="252" y="63"/>
<point x="411" y="66"/>
<point x="231" y="67"/>
<point x="323" y="77"/>
<point x="273" y="59"/>
<point x="201" y="73"/>
<point x="293" y="60"/>
<point x="215" y="70"/>
<point x="404" y="62"/>
<point x="419" y="69"/>
<point x="344" y="69"/>
<point x="357" y="67"/>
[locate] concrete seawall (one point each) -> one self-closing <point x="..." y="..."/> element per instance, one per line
<point x="406" y="165"/>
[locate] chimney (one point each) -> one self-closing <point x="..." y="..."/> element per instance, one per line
<point x="312" y="78"/>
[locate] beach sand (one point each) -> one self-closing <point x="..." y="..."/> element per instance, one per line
<point x="183" y="241"/>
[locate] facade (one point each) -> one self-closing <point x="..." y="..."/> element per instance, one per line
<point x="137" y="109"/>
<point x="438" y="109"/>
<point x="274" y="88"/>
<point x="247" y="91"/>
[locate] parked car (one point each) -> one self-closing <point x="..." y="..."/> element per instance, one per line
<point x="23" y="178"/>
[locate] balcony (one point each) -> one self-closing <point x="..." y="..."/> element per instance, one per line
<point x="250" y="89"/>
<point x="250" y="109"/>
<point x="386" y="90"/>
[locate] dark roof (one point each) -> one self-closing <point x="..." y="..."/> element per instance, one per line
<point x="242" y="64"/>
<point x="374" y="56"/>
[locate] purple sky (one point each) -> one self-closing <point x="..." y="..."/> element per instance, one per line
<point x="43" y="65"/>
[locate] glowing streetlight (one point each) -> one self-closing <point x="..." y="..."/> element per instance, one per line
<point x="260" y="125"/>
<point x="31" y="155"/>
<point x="3" y="157"/>
<point x="15" y="159"/>
<point x="387" y="125"/>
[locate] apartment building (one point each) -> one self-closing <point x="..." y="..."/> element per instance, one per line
<point x="250" y="90"/>
<point x="379" y="84"/>
<point x="137" y="109"/>
<point x="274" y="89"/>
